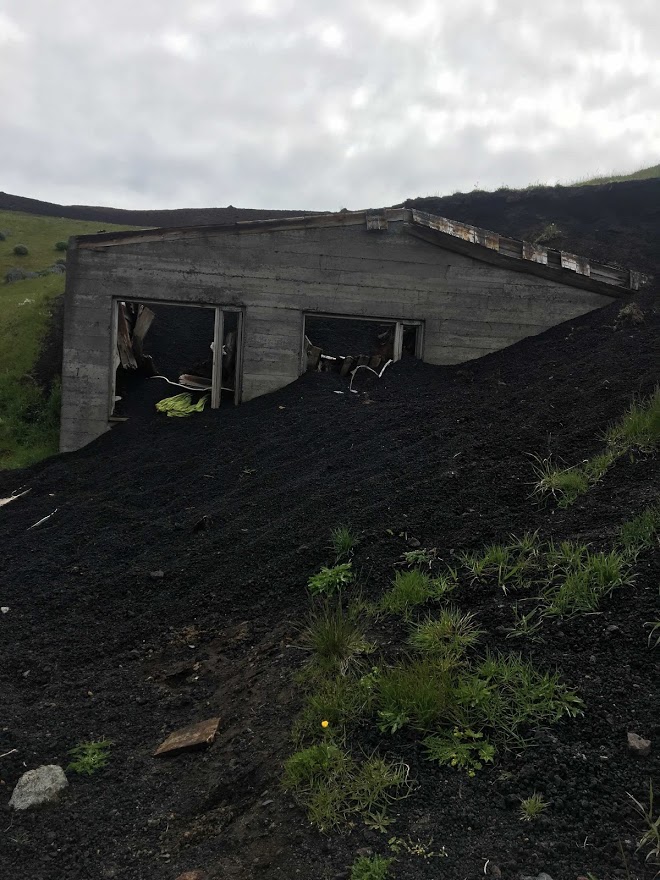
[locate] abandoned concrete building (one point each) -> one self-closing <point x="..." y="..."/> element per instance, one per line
<point x="266" y="297"/>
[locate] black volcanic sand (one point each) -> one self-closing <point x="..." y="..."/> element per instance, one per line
<point x="93" y="646"/>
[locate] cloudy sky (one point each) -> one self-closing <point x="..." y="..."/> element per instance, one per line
<point x="320" y="105"/>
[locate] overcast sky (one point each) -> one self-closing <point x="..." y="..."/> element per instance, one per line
<point x="320" y="105"/>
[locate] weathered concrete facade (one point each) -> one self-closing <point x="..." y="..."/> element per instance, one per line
<point x="474" y="292"/>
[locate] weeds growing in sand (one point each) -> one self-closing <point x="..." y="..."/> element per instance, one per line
<point x="343" y="542"/>
<point x="417" y="692"/>
<point x="329" y="581"/>
<point x="532" y="807"/>
<point x="335" y="638"/>
<point x="413" y="588"/>
<point x="371" y="868"/>
<point x="641" y="532"/>
<point x="333" y="787"/>
<point x="582" y="579"/>
<point x="509" y="564"/>
<point x="90" y="756"/>
<point x="562" y="484"/>
<point x="650" y="839"/>
<point x="449" y="634"/>
<point x="639" y="428"/>
<point x="463" y="749"/>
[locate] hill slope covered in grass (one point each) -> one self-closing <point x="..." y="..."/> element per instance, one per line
<point x="29" y="404"/>
<point x="642" y="174"/>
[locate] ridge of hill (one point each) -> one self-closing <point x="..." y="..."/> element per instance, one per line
<point x="127" y="217"/>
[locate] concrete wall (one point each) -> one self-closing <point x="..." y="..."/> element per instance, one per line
<point x="470" y="308"/>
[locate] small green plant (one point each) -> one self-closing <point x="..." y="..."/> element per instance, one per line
<point x="595" y="468"/>
<point x="526" y="626"/>
<point x="421" y="557"/>
<point x="61" y="245"/>
<point x="464" y="749"/>
<point x="90" y="756"/>
<point x="413" y="588"/>
<point x="410" y="847"/>
<point x="331" y="580"/>
<point x="650" y="839"/>
<point x="449" y="634"/>
<point x="532" y="807"/>
<point x="20" y="250"/>
<point x="548" y="234"/>
<point x="418" y="693"/>
<point x="371" y="868"/>
<point x="333" y="787"/>
<point x="639" y="428"/>
<point x="565" y="485"/>
<point x="335" y="638"/>
<point x="641" y="532"/>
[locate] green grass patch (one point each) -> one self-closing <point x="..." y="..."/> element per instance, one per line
<point x="414" y="588"/>
<point x="637" y="430"/>
<point x="334" y="788"/>
<point x="371" y="868"/>
<point x="448" y="635"/>
<point x="641" y="532"/>
<point x="532" y="807"/>
<point x="29" y="419"/>
<point x="509" y="564"/>
<point x="418" y="693"/>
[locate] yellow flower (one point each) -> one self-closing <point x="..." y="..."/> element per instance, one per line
<point x="325" y="723"/>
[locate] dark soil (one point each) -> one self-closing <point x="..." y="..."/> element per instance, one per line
<point x="94" y="646"/>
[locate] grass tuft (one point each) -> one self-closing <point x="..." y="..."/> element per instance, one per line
<point x="640" y="426"/>
<point x="343" y="542"/>
<point x="532" y="807"/>
<point x="562" y="484"/>
<point x="413" y="588"/>
<point x="650" y="839"/>
<point x="463" y="749"/>
<point x="450" y="634"/>
<point x="641" y="532"/>
<point x="418" y="693"/>
<point x="335" y="638"/>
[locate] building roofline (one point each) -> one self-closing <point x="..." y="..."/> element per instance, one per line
<point x="481" y="244"/>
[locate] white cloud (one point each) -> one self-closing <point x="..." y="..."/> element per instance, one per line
<point x="302" y="104"/>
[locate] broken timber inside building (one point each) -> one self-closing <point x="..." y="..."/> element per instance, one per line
<point x="461" y="292"/>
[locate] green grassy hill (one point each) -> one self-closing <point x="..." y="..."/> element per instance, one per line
<point x="28" y="413"/>
<point x="642" y="174"/>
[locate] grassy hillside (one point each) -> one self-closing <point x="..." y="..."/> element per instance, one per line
<point x="642" y="174"/>
<point x="28" y="413"/>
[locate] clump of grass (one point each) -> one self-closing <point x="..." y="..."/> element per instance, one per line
<point x="505" y="693"/>
<point x="61" y="245"/>
<point x="343" y="542"/>
<point x="413" y="588"/>
<point x="586" y="580"/>
<point x="90" y="756"/>
<point x="639" y="428"/>
<point x="371" y="868"/>
<point x="335" y="637"/>
<point x="329" y="581"/>
<point x="510" y="564"/>
<point x="451" y="633"/>
<point x="341" y="700"/>
<point x="532" y="807"/>
<point x="650" y="839"/>
<point x="565" y="485"/>
<point x="20" y="250"/>
<point x="463" y="749"/>
<point x="333" y="788"/>
<point x="641" y="532"/>
<point x="418" y="693"/>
